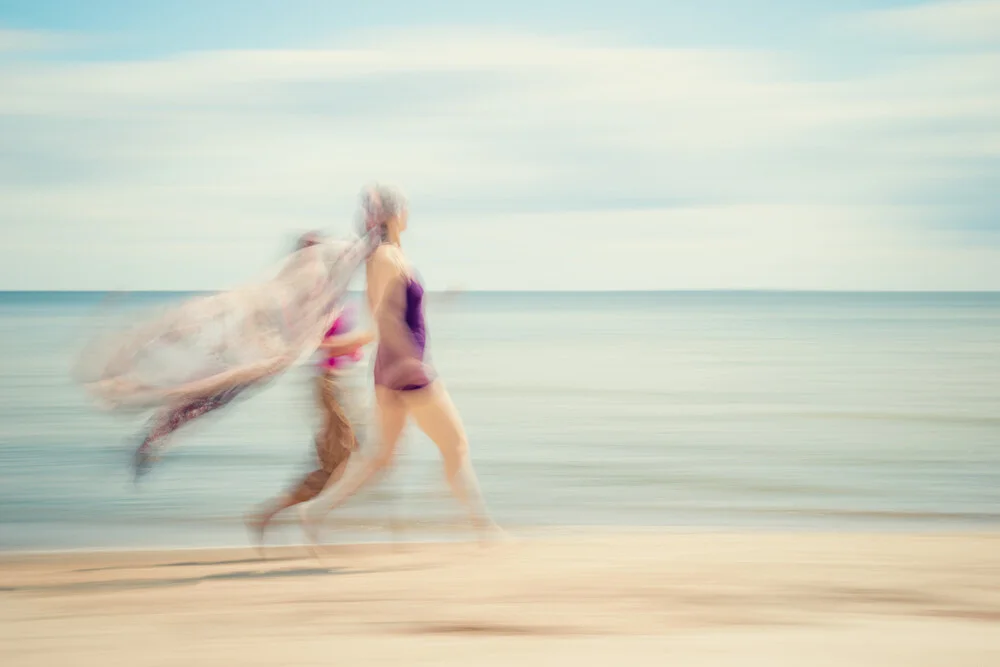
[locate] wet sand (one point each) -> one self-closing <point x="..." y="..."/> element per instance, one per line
<point x="596" y="599"/>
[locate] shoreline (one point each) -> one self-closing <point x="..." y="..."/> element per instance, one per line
<point x="459" y="535"/>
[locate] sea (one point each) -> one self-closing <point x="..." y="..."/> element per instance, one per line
<point x="683" y="411"/>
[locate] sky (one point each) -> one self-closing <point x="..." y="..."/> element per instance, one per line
<point x="560" y="145"/>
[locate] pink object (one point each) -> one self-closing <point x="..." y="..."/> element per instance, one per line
<point x="344" y="323"/>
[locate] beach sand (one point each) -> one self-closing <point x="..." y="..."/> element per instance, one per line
<point x="604" y="598"/>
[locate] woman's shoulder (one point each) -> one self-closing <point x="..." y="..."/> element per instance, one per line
<point x="390" y="257"/>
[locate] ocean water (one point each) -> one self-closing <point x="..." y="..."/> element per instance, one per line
<point x="684" y="410"/>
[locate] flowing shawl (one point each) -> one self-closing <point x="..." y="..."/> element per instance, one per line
<point x="206" y="350"/>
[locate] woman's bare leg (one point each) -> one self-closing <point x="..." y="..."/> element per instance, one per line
<point x="334" y="442"/>
<point x="435" y="414"/>
<point x="392" y="418"/>
<point x="258" y="522"/>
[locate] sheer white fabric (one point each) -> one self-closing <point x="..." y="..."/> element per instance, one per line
<point x="211" y="344"/>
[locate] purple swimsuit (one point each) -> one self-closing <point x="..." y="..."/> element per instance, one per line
<point x="399" y="360"/>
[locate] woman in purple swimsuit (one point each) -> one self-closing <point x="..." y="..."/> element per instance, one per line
<point x="405" y="384"/>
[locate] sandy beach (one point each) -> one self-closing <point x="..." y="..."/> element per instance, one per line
<point x="644" y="598"/>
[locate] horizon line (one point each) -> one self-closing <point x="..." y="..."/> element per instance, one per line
<point x="456" y="292"/>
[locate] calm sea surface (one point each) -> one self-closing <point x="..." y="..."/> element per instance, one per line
<point x="688" y="410"/>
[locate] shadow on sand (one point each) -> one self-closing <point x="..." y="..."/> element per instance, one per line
<point x="132" y="584"/>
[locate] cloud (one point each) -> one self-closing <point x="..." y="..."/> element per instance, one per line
<point x="23" y="40"/>
<point x="27" y="41"/>
<point x="201" y="153"/>
<point x="702" y="247"/>
<point x="957" y="22"/>
<point x="713" y="247"/>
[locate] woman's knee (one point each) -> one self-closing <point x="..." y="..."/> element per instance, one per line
<point x="456" y="457"/>
<point x="437" y="417"/>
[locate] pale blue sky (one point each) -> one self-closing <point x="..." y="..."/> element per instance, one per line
<point x="544" y="145"/>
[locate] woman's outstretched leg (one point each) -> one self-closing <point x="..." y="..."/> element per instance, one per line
<point x="335" y="443"/>
<point x="392" y="418"/>
<point x="435" y="414"/>
<point x="308" y="489"/>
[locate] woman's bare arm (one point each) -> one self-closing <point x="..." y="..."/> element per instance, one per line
<point x="344" y="343"/>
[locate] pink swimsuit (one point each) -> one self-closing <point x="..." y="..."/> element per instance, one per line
<point x="345" y="323"/>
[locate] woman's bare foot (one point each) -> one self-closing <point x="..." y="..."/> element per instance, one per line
<point x="310" y="526"/>
<point x="256" y="525"/>
<point x="490" y="533"/>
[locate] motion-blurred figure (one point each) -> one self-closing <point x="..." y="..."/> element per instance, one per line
<point x="336" y="439"/>
<point x="405" y="384"/>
